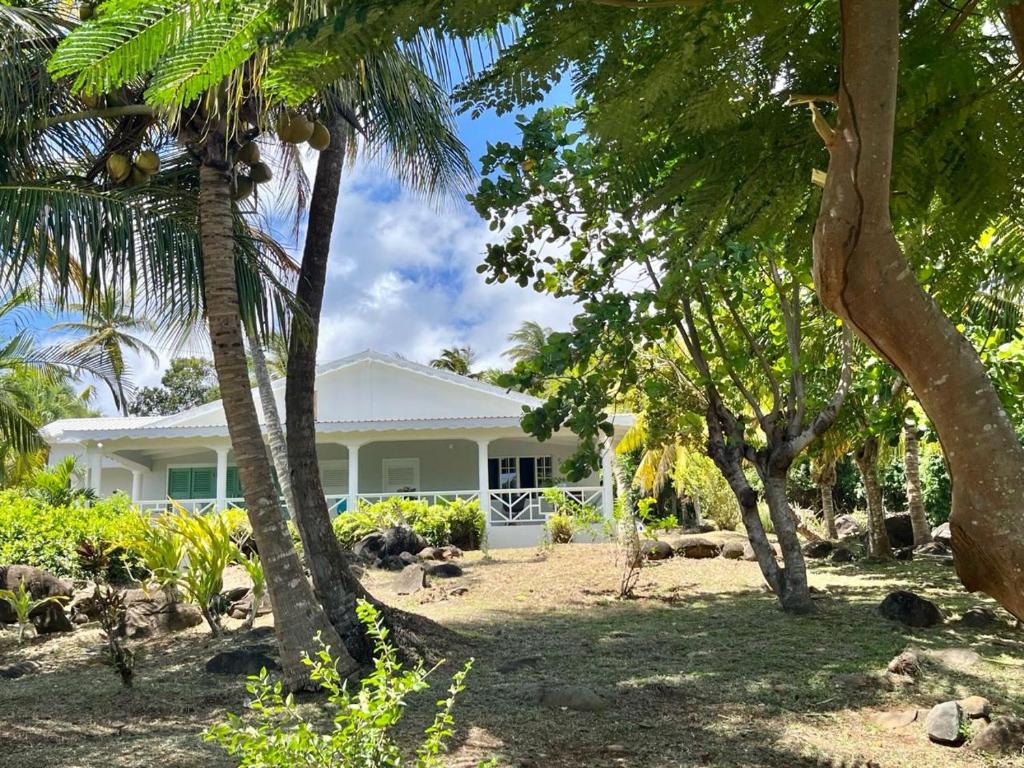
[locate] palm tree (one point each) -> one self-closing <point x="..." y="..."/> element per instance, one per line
<point x="183" y="62"/>
<point x="455" y="359"/>
<point x="108" y="330"/>
<point x="527" y="341"/>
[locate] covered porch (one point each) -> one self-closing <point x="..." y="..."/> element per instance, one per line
<point x="510" y="473"/>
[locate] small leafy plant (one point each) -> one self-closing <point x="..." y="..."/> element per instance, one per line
<point x="276" y="735"/>
<point x="24" y="605"/>
<point x="93" y="558"/>
<point x="210" y="548"/>
<point x="254" y="569"/>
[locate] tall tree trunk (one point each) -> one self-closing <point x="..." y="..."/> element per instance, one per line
<point x="797" y="593"/>
<point x="826" y="482"/>
<point x="272" y="421"/>
<point x="862" y="275"/>
<point x="915" y="499"/>
<point x="629" y="533"/>
<point x="298" y="618"/>
<point x="866" y="457"/>
<point x="335" y="583"/>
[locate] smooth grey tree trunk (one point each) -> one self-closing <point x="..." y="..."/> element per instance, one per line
<point x="867" y="462"/>
<point x="272" y="422"/>
<point x="915" y="499"/>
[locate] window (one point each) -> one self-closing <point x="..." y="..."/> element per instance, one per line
<point x="193" y="482"/>
<point x="334" y="476"/>
<point x="545" y="472"/>
<point x="399" y="475"/>
<point x="520" y="472"/>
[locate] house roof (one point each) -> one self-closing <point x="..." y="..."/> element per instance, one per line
<point x="425" y="398"/>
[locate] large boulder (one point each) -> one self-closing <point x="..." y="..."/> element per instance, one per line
<point x="978" y="617"/>
<point x="819" y="549"/>
<point x="945" y="723"/>
<point x="1003" y="736"/>
<point x="48" y="617"/>
<point x="696" y="547"/>
<point x="656" y="549"/>
<point x="910" y="609"/>
<point x="847" y="527"/>
<point x="900" y="530"/>
<point x="444" y="570"/>
<point x="733" y="550"/>
<point x="942" y="534"/>
<point x="151" y="613"/>
<point x="842" y="555"/>
<point x="249" y="660"/>
<point x="576" y="697"/>
<point x="390" y="543"/>
<point x="412" y="579"/>
<point x="748" y="552"/>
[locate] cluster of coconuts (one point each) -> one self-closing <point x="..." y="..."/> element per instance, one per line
<point x="121" y="169"/>
<point x="295" y="128"/>
<point x="259" y="172"/>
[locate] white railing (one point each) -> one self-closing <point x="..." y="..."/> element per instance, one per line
<point x="431" y="497"/>
<point x="196" y="506"/>
<point x="531" y="506"/>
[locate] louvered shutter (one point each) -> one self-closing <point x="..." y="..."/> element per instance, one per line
<point x="204" y="482"/>
<point x="179" y="483"/>
<point x="234" y="484"/>
<point x="334" y="476"/>
<point x="401" y="475"/>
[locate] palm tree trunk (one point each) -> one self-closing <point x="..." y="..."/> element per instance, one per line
<point x="336" y="585"/>
<point x="298" y="618"/>
<point x="272" y="421"/>
<point x="828" y="509"/>
<point x="915" y="499"/>
<point x="861" y="274"/>
<point x="867" y="462"/>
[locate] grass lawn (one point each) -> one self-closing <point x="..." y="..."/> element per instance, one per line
<point x="700" y="669"/>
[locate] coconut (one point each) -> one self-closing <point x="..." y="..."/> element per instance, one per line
<point x="321" y="138"/>
<point x="148" y="161"/>
<point x="294" y="128"/>
<point x="242" y="188"/>
<point x="138" y="177"/>
<point x="261" y="173"/>
<point x="91" y="100"/>
<point x="119" y="167"/>
<point x="86" y="11"/>
<point x="249" y="153"/>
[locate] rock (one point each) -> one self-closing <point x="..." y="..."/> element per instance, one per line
<point x="696" y="547"/>
<point x="978" y="617"/>
<point x="234" y="595"/>
<point x="412" y="579"/>
<point x="1003" y="736"/>
<point x="514" y="665"/>
<point x="975" y="707"/>
<point x="408" y="558"/>
<point x="942" y="534"/>
<point x="748" y="552"/>
<point x="249" y="660"/>
<point x="732" y="550"/>
<point x="654" y="549"/>
<point x="944" y="724"/>
<point x="46" y="618"/>
<point x="430" y="553"/>
<point x="575" y="697"/>
<point x="450" y="552"/>
<point x="83" y="604"/>
<point x="19" y="669"/>
<point x="819" y="549"/>
<point x="907" y="663"/>
<point x="847" y="527"/>
<point x="389" y="543"/>
<point x="150" y="613"/>
<point x="393" y="563"/>
<point x="910" y="609"/>
<point x="842" y="555"/>
<point x="444" y="570"/>
<point x="932" y="549"/>
<point x="890" y="721"/>
<point x="240" y="608"/>
<point x="903" y="554"/>
<point x="863" y="681"/>
<point x="900" y="530"/>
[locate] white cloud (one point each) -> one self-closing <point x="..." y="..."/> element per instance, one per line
<point x="402" y="278"/>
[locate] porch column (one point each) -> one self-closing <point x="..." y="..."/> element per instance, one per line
<point x="96" y="468"/>
<point x="222" y="476"/>
<point x="484" y="483"/>
<point x="352" y="503"/>
<point x="136" y="485"/>
<point x="607" y="489"/>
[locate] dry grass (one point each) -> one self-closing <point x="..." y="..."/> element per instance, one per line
<point x="701" y="669"/>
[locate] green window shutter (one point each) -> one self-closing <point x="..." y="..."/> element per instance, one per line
<point x="234" y="483"/>
<point x="179" y="483"/>
<point x="204" y="482"/>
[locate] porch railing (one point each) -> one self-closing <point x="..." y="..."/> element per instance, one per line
<point x="532" y="506"/>
<point x="431" y="497"/>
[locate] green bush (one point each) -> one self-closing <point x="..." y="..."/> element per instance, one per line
<point x="33" y="532"/>
<point x="936" y="488"/>
<point x="560" y="528"/>
<point x="459" y="522"/>
<point x="360" y="731"/>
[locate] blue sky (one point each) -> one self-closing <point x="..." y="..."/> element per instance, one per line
<point x="402" y="275"/>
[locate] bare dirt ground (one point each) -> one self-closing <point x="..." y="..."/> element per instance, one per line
<point x="701" y="669"/>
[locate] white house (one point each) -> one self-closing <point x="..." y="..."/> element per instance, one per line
<point x="385" y="427"/>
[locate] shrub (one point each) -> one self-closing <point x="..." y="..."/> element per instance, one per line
<point x="560" y="528"/>
<point x="33" y="532"/>
<point x="936" y="488"/>
<point x="459" y="522"/>
<point x="697" y="476"/>
<point x="360" y="734"/>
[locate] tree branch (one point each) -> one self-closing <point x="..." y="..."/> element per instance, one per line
<point x="827" y="415"/>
